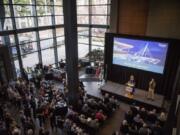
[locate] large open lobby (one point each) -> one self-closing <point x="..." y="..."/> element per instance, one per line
<point x="89" y="67"/>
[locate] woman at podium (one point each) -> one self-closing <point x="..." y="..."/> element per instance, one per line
<point x="130" y="86"/>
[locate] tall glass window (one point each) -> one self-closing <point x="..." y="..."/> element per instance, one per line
<point x="35" y="33"/>
<point x="93" y="22"/>
<point x="48" y="56"/>
<point x="38" y="34"/>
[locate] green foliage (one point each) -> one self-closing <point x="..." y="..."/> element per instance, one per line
<point x="22" y="10"/>
<point x="96" y="55"/>
<point x="40" y="2"/>
<point x="21" y="1"/>
<point x="40" y="10"/>
<point x="6" y="1"/>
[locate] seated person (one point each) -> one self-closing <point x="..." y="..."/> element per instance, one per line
<point x="102" y="106"/>
<point x="152" y="116"/>
<point x="94" y="123"/>
<point x="157" y="129"/>
<point x="92" y="103"/>
<point x="82" y="119"/>
<point x="143" y="113"/>
<point x="75" y="117"/>
<point x="110" y="107"/>
<point x="138" y="121"/>
<point x="129" y="116"/>
<point x="117" y="103"/>
<point x="79" y="131"/>
<point x="162" y="118"/>
<point x="106" y="98"/>
<point x="73" y="129"/>
<point x="100" y="116"/>
<point x="113" y="102"/>
<point x="86" y="110"/>
<point x="134" y="109"/>
<point x="144" y="130"/>
<point x="124" y="127"/>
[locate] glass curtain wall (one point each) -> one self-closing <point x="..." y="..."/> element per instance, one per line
<point x="93" y="21"/>
<point x="33" y="30"/>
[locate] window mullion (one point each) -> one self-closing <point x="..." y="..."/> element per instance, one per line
<point x="54" y="35"/>
<point x="37" y="31"/>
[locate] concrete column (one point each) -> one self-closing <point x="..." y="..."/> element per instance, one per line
<point x="71" y="47"/>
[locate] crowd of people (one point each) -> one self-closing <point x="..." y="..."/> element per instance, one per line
<point x="19" y="96"/>
<point x="141" y="121"/>
<point x="37" y="106"/>
<point x="91" y="115"/>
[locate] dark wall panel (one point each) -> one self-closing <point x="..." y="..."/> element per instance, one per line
<point x="164" y="18"/>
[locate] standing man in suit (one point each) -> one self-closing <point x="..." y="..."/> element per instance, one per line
<point x="152" y="85"/>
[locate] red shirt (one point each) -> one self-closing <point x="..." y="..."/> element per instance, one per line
<point x="98" y="70"/>
<point x="99" y="116"/>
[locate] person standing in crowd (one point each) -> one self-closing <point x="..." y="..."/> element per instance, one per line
<point x="100" y="73"/>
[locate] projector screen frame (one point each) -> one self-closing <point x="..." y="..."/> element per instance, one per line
<point x="144" y="40"/>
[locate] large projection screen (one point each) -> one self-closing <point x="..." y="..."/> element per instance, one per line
<point x="140" y="54"/>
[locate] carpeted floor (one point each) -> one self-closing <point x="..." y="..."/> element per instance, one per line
<point x="113" y="124"/>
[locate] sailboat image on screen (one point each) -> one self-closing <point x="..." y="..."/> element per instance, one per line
<point x="144" y="55"/>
